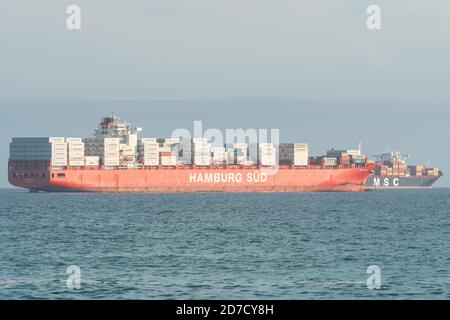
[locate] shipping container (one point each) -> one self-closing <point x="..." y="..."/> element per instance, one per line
<point x="171" y="141"/>
<point x="92" y="160"/>
<point x="329" y="161"/>
<point x="111" y="152"/>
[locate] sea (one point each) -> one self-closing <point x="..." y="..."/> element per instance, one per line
<point x="386" y="244"/>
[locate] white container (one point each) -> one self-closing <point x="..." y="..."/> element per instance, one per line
<point x="112" y="141"/>
<point x="59" y="153"/>
<point x="300" y="160"/>
<point x="150" y="144"/>
<point x="149" y="140"/>
<point x="151" y="161"/>
<point x="202" y="161"/>
<point x="111" y="162"/>
<point x="168" y="161"/>
<point x="92" y="160"/>
<point x="356" y="152"/>
<point x="301" y="154"/>
<point x="75" y="151"/>
<point x="151" y="148"/>
<point x="56" y="139"/>
<point x="76" y="162"/>
<point x="151" y="151"/>
<point x="329" y="161"/>
<point x="266" y="146"/>
<point x="300" y="146"/>
<point x="219" y="155"/>
<point x="71" y="140"/>
<point x="111" y="152"/>
<point x="267" y="156"/>
<point x="171" y="141"/>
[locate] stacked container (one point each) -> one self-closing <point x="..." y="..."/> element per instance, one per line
<point x="420" y="169"/>
<point x="127" y="155"/>
<point x="399" y="168"/>
<point x="361" y="159"/>
<point x="219" y="155"/>
<point x="150" y="152"/>
<point x="202" y="152"/>
<point x="329" y="161"/>
<point x="344" y="159"/>
<point x="267" y="156"/>
<point x="174" y="147"/>
<point x="171" y="142"/>
<point x="75" y="148"/>
<point x="34" y="148"/>
<point x="167" y="157"/>
<point x="59" y="151"/>
<point x="353" y="152"/>
<point x="111" y="152"/>
<point x="94" y="147"/>
<point x="434" y="172"/>
<point x="301" y="154"/>
<point x="416" y="170"/>
<point x="92" y="161"/>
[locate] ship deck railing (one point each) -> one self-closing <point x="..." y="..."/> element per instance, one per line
<point x="210" y="167"/>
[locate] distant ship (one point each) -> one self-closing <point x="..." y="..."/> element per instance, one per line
<point x="117" y="160"/>
<point x="392" y="172"/>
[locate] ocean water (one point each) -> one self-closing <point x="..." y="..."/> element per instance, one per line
<point x="225" y="246"/>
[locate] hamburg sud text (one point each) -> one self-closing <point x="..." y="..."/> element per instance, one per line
<point x="227" y="177"/>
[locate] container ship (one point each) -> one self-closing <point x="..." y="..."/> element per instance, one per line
<point x="116" y="159"/>
<point x="392" y="172"/>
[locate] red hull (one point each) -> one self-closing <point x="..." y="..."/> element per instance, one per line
<point x="189" y="179"/>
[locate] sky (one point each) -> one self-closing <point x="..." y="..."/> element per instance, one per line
<point x="310" y="68"/>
